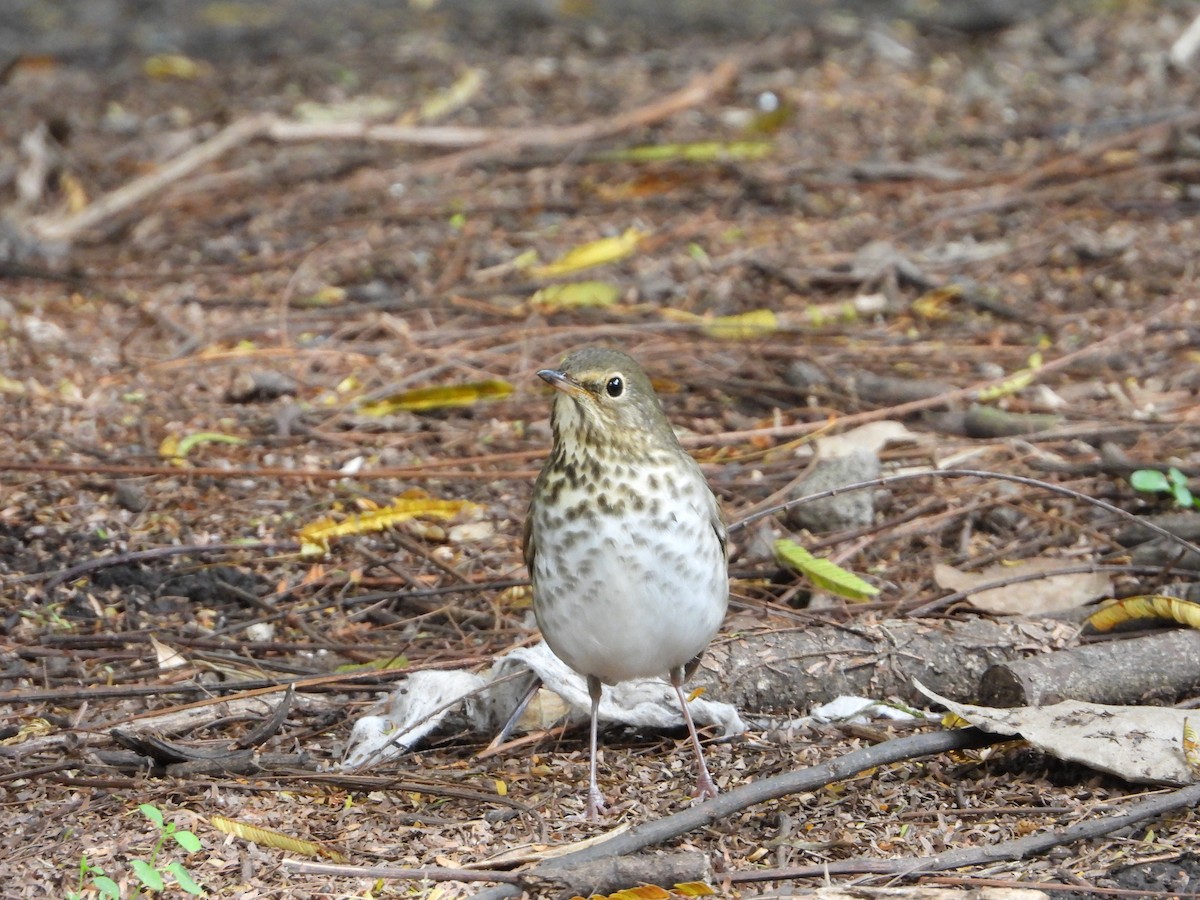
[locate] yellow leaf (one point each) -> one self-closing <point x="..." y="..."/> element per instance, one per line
<point x="73" y="189"/>
<point x="745" y="326"/>
<point x="526" y="260"/>
<point x="30" y="728"/>
<point x="391" y="663"/>
<point x="453" y="98"/>
<point x="596" y="253"/>
<point x="698" y="152"/>
<point x="695" y="889"/>
<point x="756" y="323"/>
<point x="1121" y="157"/>
<point x="501" y="787"/>
<point x="274" y="839"/>
<point x="1018" y="381"/>
<point x="177" y="448"/>
<point x="1191" y="746"/>
<point x="954" y="720"/>
<point x="438" y="397"/>
<point x="934" y="305"/>
<point x="576" y="295"/>
<point x="175" y="65"/>
<point x="643" y="892"/>
<point x="772" y="116"/>
<point x="315" y="536"/>
<point x="1152" y="606"/>
<point x="327" y="295"/>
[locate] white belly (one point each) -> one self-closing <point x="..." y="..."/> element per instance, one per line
<point x="633" y="595"/>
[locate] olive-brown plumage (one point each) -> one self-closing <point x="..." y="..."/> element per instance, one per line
<point x="624" y="539"/>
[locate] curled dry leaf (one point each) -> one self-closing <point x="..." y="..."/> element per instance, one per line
<point x="1051" y="593"/>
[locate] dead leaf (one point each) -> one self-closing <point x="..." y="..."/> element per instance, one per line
<point x="590" y="255"/>
<point x="1045" y="595"/>
<point x="436" y="397"/>
<point x="1137" y="743"/>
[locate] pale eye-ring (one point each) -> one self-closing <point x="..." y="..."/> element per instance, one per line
<point x="615" y="386"/>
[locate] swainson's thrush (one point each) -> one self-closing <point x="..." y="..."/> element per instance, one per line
<point x="624" y="540"/>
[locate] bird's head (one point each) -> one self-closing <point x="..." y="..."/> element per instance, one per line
<point x="604" y="397"/>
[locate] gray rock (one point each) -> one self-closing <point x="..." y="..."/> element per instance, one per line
<point x="850" y="510"/>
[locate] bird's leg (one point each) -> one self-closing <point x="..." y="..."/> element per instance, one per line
<point x="705" y="789"/>
<point x="595" y="800"/>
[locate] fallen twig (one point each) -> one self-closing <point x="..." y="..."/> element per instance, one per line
<point x="724" y="806"/>
<point x="485" y="143"/>
<point x="1007" y="851"/>
<point x="1121" y="338"/>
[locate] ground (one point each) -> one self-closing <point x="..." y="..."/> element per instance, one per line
<point x="907" y="211"/>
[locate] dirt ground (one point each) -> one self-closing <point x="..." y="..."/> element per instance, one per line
<point x="915" y="224"/>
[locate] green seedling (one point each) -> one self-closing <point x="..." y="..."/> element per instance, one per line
<point x="1174" y="482"/>
<point x="152" y="876"/>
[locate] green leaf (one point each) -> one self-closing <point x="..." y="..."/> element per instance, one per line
<point x="187" y="841"/>
<point x="153" y="813"/>
<point x="1177" y="478"/>
<point x="107" y="888"/>
<point x="824" y="574"/>
<point x="184" y="877"/>
<point x="1149" y="481"/>
<point x="147" y="874"/>
<point x="1183" y="496"/>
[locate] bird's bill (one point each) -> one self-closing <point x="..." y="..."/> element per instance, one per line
<point x="561" y="381"/>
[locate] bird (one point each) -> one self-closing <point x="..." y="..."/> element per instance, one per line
<point x="624" y="541"/>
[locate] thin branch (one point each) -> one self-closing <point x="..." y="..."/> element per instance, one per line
<point x="975" y="473"/>
<point x="728" y="804"/>
<point x="1117" y="338"/>
<point x="1021" y="848"/>
<point x="487" y="143"/>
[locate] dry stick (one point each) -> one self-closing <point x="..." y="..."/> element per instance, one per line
<point x="119" y="559"/>
<point x="489" y="142"/>
<point x="430" y="873"/>
<point x="728" y="437"/>
<point x="114" y="202"/>
<point x="605" y="875"/>
<point x="974" y="473"/>
<point x="728" y="804"/>
<point x="1093" y="568"/>
<point x="132" y="469"/>
<point x="699" y="90"/>
<point x="971" y="881"/>
<point x="105" y="562"/>
<point x="1123" y="336"/>
<point x="1008" y="851"/>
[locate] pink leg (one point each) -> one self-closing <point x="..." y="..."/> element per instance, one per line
<point x="705" y="789"/>
<point x="595" y="800"/>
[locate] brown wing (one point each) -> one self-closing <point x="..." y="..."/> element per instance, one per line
<point x="527" y="546"/>
<point x="714" y="509"/>
<point x="718" y="525"/>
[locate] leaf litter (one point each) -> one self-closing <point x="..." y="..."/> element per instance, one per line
<point x="1064" y="225"/>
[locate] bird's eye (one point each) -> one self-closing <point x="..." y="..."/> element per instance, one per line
<point x="615" y="386"/>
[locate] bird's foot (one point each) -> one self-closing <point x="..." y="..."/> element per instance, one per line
<point x="705" y="789"/>
<point x="596" y="807"/>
